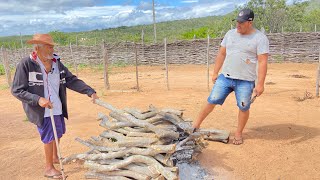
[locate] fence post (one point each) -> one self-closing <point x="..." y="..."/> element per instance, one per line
<point x="21" y="41"/>
<point x="165" y="62"/>
<point x="315" y="28"/>
<point x="208" y="75"/>
<point x="105" y="63"/>
<point x="75" y="65"/>
<point x="77" y="40"/>
<point x="318" y="76"/>
<point x="142" y="37"/>
<point x="136" y="58"/>
<point x="6" y="66"/>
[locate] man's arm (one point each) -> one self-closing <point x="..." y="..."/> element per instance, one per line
<point x="218" y="62"/>
<point x="75" y="84"/>
<point x="262" y="72"/>
<point x="20" y="86"/>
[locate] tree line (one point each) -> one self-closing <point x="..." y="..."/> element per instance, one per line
<point x="273" y="16"/>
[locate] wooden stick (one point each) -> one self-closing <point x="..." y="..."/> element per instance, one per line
<point x="132" y="159"/>
<point x="147" y="170"/>
<point x="136" y="134"/>
<point x="95" y="175"/>
<point x="124" y="141"/>
<point x="136" y="60"/>
<point x="174" y="119"/>
<point x="172" y="111"/>
<point x="106" y="66"/>
<point x="166" y="63"/>
<point x="208" y="67"/>
<point x="139" y="115"/>
<point x="318" y="77"/>
<point x="126" y="173"/>
<point x="160" y="132"/>
<point x="74" y="60"/>
<point x="215" y="135"/>
<point x="6" y="66"/>
<point x="164" y="160"/>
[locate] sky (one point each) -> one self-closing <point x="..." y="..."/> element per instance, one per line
<point x="42" y="16"/>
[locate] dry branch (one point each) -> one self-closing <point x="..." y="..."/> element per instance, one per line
<point x="125" y="173"/>
<point x="161" y="133"/>
<point x="215" y="135"/>
<point x="101" y="176"/>
<point x="132" y="159"/>
<point x="139" y="115"/>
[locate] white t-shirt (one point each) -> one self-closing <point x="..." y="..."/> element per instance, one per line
<point x="242" y="54"/>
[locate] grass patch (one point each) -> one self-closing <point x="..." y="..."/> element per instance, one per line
<point x="4" y="87"/>
<point x="25" y="119"/>
<point x="278" y="58"/>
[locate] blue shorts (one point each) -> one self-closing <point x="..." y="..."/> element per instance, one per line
<point x="46" y="131"/>
<point x="224" y="86"/>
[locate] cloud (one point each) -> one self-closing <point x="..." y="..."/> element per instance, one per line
<point x="36" y="6"/>
<point x="44" y="17"/>
<point x="190" y="1"/>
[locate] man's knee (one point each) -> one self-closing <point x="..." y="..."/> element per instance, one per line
<point x="216" y="98"/>
<point x="244" y="106"/>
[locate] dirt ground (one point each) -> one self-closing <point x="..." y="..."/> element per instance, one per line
<point x="281" y="139"/>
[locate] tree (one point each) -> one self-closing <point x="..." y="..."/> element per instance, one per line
<point x="59" y="37"/>
<point x="270" y="14"/>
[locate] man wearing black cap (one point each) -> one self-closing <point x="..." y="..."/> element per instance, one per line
<point x="242" y="50"/>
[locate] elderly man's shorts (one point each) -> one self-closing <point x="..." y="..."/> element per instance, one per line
<point x="46" y="131"/>
<point x="224" y="86"/>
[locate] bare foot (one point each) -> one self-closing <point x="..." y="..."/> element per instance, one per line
<point x="237" y="140"/>
<point x="52" y="173"/>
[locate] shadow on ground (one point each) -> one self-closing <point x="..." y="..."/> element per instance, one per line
<point x="296" y="133"/>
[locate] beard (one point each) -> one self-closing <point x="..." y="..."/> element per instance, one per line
<point x="49" y="56"/>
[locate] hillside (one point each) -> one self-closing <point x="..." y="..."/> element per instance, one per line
<point x="273" y="15"/>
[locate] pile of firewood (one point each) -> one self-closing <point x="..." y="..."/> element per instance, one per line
<point x="143" y="145"/>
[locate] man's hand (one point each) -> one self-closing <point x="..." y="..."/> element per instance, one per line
<point x="258" y="90"/>
<point x="45" y="103"/>
<point x="94" y="96"/>
<point x="214" y="77"/>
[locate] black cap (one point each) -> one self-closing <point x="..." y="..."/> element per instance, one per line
<point x="245" y="15"/>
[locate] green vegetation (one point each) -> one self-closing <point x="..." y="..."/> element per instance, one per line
<point x="2" y="70"/>
<point x="4" y="87"/>
<point x="273" y="15"/>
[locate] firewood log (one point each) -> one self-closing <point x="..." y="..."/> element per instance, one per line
<point x="138" y="114"/>
<point x="101" y="176"/>
<point x="135" y="134"/>
<point x="124" y="141"/>
<point x="151" y="151"/>
<point x="215" y="135"/>
<point x="164" y="160"/>
<point x="179" y="113"/>
<point x="174" y="119"/>
<point x="161" y="133"/>
<point x="125" y="173"/>
<point x="132" y="159"/>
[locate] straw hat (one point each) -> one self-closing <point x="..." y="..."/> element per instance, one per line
<point x="41" y="39"/>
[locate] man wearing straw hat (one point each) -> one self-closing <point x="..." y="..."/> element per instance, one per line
<point x="40" y="82"/>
